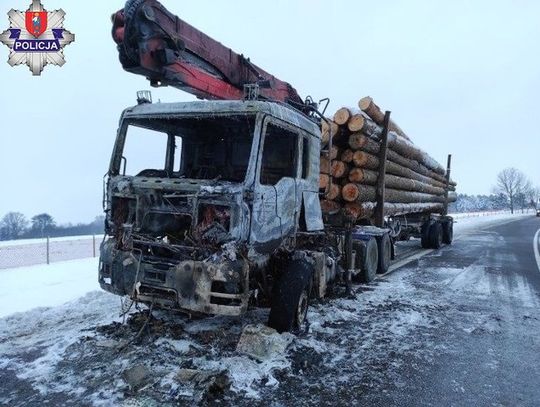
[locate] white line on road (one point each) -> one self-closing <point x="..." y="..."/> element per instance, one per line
<point x="405" y="261"/>
<point x="535" y="246"/>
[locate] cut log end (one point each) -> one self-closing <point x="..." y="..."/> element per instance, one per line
<point x="350" y="192"/>
<point x="342" y="116"/>
<point x="365" y="103"/>
<point x="356" y="123"/>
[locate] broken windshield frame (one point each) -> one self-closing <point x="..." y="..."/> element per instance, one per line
<point x="201" y="148"/>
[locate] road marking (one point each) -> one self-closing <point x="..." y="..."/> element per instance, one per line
<point x="535" y="247"/>
<point x="405" y="261"/>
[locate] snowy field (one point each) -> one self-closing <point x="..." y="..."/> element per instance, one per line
<point x="28" y="252"/>
<point x="65" y="350"/>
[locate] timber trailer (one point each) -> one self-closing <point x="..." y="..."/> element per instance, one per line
<point x="225" y="212"/>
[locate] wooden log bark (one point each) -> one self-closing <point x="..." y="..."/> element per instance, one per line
<point x="367" y="193"/>
<point x="355" y="211"/>
<point x="361" y="123"/>
<point x="368" y="106"/>
<point x="358" y="141"/>
<point x="368" y="177"/>
<point x="362" y="159"/>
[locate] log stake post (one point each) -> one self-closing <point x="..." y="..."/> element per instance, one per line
<point x="350" y="259"/>
<point x="48" y="251"/>
<point x="379" y="210"/>
<point x="448" y="166"/>
<point x="328" y="153"/>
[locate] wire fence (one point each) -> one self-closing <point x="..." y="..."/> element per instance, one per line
<point x="45" y="251"/>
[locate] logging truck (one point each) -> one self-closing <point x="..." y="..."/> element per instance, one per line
<point x="226" y="208"/>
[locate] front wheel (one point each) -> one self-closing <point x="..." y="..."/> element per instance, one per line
<point x="290" y="297"/>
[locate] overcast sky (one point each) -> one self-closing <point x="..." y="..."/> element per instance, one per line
<point x="460" y="77"/>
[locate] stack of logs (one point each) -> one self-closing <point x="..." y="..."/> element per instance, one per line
<point x="414" y="181"/>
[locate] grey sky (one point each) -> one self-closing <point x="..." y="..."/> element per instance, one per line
<point x="460" y="77"/>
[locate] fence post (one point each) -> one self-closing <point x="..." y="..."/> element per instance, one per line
<point x="94" y="245"/>
<point x="48" y="256"/>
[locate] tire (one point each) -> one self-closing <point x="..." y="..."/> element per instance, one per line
<point x="435" y="235"/>
<point x="290" y="297"/>
<point x="384" y="247"/>
<point x="448" y="232"/>
<point x="424" y="235"/>
<point x="366" y="260"/>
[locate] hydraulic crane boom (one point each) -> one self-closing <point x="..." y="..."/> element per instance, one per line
<point x="157" y="44"/>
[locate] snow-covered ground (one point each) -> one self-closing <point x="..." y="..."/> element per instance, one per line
<point x="25" y="288"/>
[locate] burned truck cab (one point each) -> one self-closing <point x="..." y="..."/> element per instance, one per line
<point x="199" y="196"/>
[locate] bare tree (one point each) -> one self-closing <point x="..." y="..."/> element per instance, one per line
<point x="510" y="182"/>
<point x="43" y="223"/>
<point x="12" y="225"/>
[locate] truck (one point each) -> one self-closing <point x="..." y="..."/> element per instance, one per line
<point x="223" y="209"/>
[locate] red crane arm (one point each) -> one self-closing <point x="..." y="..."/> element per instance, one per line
<point x="157" y="44"/>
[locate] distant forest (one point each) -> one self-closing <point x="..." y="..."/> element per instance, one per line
<point x="14" y="225"/>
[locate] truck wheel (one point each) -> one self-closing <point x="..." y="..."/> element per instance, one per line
<point x="448" y="232"/>
<point x="384" y="254"/>
<point x="435" y="235"/>
<point x="290" y="297"/>
<point x="424" y="235"/>
<point x="366" y="260"/>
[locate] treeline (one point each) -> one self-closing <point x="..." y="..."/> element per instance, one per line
<point x="14" y="225"/>
<point x="478" y="203"/>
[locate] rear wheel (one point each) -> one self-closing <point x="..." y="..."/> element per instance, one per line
<point x="448" y="232"/>
<point x="435" y="235"/>
<point x="290" y="297"/>
<point x="384" y="253"/>
<point x="424" y="235"/>
<point x="367" y="258"/>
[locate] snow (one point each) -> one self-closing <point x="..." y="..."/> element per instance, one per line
<point x="25" y="288"/>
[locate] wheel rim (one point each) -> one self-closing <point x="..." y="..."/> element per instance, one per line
<point x="302" y="308"/>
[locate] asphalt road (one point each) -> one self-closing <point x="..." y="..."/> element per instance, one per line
<point x="459" y="326"/>
<point x="498" y="361"/>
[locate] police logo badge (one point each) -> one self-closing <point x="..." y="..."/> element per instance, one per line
<point x="36" y="37"/>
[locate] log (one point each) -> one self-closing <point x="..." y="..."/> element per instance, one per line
<point x="334" y="152"/>
<point x="409" y="150"/>
<point x="330" y="207"/>
<point x="355" y="211"/>
<point x="362" y="159"/>
<point x="359" y="122"/>
<point x="358" y="141"/>
<point x="324" y="165"/>
<point x="367" y="177"/>
<point x="338" y="169"/>
<point x="368" y="106"/>
<point x="367" y="193"/>
<point x="333" y="192"/>
<point x="347" y="155"/>
<point x="343" y="115"/>
<point x="328" y="131"/>
<point x="324" y="181"/>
